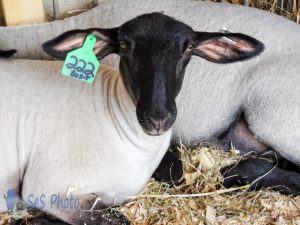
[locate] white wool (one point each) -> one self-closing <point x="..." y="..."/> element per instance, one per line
<point x="58" y="132"/>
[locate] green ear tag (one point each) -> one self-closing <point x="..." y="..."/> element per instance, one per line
<point x="82" y="63"/>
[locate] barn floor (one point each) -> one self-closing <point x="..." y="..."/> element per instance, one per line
<point x="200" y="197"/>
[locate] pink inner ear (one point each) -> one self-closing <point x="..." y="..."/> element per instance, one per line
<point x="218" y="48"/>
<point x="100" y="45"/>
<point x="74" y="42"/>
<point x="242" y="45"/>
<point x="212" y="51"/>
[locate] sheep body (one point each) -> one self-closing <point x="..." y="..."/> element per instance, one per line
<point x="212" y="95"/>
<point x="59" y="134"/>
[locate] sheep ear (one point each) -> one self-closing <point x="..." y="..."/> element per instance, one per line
<point x="226" y="48"/>
<point x="60" y="46"/>
<point x="7" y="53"/>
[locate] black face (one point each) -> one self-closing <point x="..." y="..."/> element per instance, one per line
<point x="154" y="50"/>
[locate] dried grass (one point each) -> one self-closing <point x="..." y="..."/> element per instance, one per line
<point x="200" y="198"/>
<point x="287" y="8"/>
<point x="4" y="218"/>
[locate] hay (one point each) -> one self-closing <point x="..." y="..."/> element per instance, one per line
<point x="200" y="198"/>
<point x="4" y="218"/>
<point x="286" y="8"/>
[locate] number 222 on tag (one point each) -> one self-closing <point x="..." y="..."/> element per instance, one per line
<point x="82" y="63"/>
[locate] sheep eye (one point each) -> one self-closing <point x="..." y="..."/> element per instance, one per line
<point x="123" y="46"/>
<point x="191" y="46"/>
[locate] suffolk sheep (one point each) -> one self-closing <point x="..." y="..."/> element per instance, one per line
<point x="59" y="134"/>
<point x="224" y="91"/>
<point x="106" y="138"/>
<point x="212" y="94"/>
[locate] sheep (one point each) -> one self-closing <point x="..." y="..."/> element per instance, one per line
<point x="223" y="91"/>
<point x="227" y="95"/>
<point x="211" y="90"/>
<point x="106" y="138"/>
<point x="59" y="133"/>
<point x="212" y="96"/>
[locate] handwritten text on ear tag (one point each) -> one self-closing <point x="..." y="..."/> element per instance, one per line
<point x="82" y="63"/>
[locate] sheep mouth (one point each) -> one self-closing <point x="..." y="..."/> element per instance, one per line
<point x="156" y="128"/>
<point x="154" y="132"/>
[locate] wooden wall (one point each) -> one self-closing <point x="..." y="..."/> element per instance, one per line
<point x="64" y="6"/>
<point x="1" y="16"/>
<point x="18" y="12"/>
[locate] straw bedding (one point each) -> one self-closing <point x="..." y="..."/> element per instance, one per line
<point x="200" y="197"/>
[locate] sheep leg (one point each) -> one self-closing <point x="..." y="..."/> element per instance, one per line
<point x="246" y="171"/>
<point x="97" y="217"/>
<point x="39" y="221"/>
<point x="91" y="211"/>
<point x="103" y="217"/>
<point x="239" y="135"/>
<point x="170" y="169"/>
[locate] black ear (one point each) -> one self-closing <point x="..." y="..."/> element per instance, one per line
<point x="60" y="46"/>
<point x="7" y="53"/>
<point x="226" y="48"/>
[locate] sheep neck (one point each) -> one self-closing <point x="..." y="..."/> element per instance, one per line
<point x="123" y="114"/>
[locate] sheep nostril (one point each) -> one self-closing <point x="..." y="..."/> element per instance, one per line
<point x="155" y="123"/>
<point x="158" y="124"/>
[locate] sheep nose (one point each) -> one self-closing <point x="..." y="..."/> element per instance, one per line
<point x="159" y="123"/>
